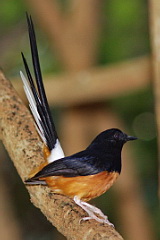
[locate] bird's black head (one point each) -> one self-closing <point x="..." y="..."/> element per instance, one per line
<point x="112" y="137"/>
<point x="106" y="148"/>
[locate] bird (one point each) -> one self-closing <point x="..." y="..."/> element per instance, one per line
<point x="81" y="176"/>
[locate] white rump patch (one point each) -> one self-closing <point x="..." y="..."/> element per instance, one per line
<point x="56" y="153"/>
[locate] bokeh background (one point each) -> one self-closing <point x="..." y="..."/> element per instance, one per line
<point x="119" y="33"/>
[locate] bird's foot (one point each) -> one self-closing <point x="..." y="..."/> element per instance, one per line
<point x="92" y="212"/>
<point x="100" y="220"/>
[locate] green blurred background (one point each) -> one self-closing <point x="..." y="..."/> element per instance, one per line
<point x="124" y="35"/>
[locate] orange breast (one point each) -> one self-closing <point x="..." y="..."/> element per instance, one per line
<point x="85" y="187"/>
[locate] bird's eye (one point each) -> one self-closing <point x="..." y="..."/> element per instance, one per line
<point x="116" y="136"/>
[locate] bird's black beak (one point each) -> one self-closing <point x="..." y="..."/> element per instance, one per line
<point x="130" y="138"/>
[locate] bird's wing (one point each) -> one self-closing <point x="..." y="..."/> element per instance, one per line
<point x="79" y="164"/>
<point x="38" y="101"/>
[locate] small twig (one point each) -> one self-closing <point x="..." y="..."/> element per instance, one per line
<point x="25" y="149"/>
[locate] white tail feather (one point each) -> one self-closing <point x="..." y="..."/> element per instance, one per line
<point x="57" y="151"/>
<point x="40" y="134"/>
<point x="33" y="107"/>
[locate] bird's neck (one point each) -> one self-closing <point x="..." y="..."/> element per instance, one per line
<point x="107" y="153"/>
<point x="106" y="148"/>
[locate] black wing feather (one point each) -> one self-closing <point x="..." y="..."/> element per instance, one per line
<point x="79" y="164"/>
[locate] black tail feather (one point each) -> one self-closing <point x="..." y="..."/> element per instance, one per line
<point x="35" y="182"/>
<point x="40" y="96"/>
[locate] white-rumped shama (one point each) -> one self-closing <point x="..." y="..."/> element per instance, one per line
<point x="83" y="175"/>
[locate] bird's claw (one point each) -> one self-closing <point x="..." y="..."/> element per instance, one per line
<point x="100" y="220"/>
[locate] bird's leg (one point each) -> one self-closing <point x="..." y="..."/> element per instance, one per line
<point x="95" y="209"/>
<point x="92" y="211"/>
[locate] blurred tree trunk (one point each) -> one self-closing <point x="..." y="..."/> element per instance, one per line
<point x="155" y="40"/>
<point x="75" y="36"/>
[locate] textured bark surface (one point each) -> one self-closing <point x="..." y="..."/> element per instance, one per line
<point x="20" y="138"/>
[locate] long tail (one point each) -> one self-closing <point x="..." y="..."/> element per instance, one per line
<point x="38" y="101"/>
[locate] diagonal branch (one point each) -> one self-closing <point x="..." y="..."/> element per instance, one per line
<point x="25" y="149"/>
<point x="96" y="84"/>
